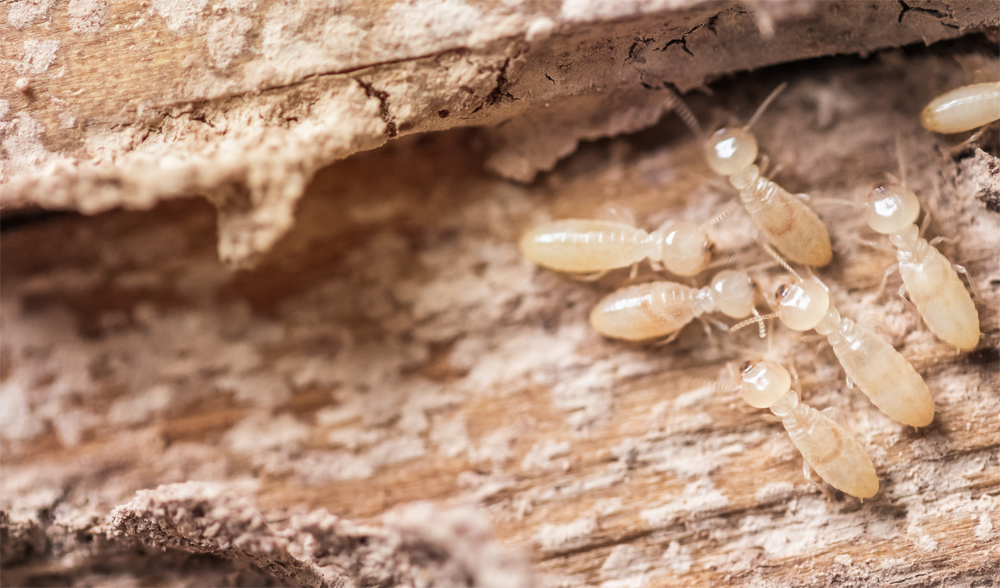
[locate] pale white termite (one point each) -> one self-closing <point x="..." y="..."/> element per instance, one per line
<point x="588" y="246"/>
<point x="657" y="309"/>
<point x="931" y="280"/>
<point x="870" y="362"/>
<point x="788" y="223"/>
<point x="963" y="109"/>
<point x="827" y="447"/>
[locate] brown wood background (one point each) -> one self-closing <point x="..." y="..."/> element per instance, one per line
<point x="394" y="348"/>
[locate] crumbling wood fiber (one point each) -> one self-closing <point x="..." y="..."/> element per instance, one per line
<point x="391" y="395"/>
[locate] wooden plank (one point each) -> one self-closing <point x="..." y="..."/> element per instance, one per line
<point x="395" y="348"/>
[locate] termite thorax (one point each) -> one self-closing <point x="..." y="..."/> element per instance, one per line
<point x="785" y="405"/>
<point x="703" y="303"/>
<point x="907" y="240"/>
<point x="829" y="323"/>
<point x="744" y="179"/>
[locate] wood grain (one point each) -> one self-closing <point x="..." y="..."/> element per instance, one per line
<point x="395" y="348"/>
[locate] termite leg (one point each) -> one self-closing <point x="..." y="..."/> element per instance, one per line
<point x="820" y="341"/>
<point x="611" y="212"/>
<point x="795" y="379"/>
<point x="972" y="283"/>
<point x="656" y="265"/>
<point x="906" y="301"/>
<point x="953" y="151"/>
<point x="885" y="278"/>
<point x="869" y="322"/>
<point x="873" y="245"/>
<point x="941" y="239"/>
<point x="589" y="277"/>
<point x="773" y="445"/>
<point x="836" y="415"/>
<point x="765" y="162"/>
<point x="666" y="340"/>
<point x="708" y="323"/>
<point x="807" y="473"/>
<point x="634" y="272"/>
<point x="972" y="286"/>
<point x="924" y="224"/>
<point x="827" y="200"/>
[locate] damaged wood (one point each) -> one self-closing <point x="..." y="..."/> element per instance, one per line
<point x="255" y="97"/>
<point x="392" y="395"/>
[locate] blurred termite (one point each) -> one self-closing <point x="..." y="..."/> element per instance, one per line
<point x="657" y="309"/>
<point x="963" y="109"/>
<point x="928" y="277"/>
<point x="595" y="246"/>
<point x="788" y="223"/>
<point x="870" y="362"/>
<point x="827" y="447"/>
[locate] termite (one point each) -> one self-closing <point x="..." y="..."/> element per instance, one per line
<point x="963" y="109"/>
<point x="788" y="223"/>
<point x="931" y="280"/>
<point x="589" y="246"/>
<point x="657" y="309"/>
<point x="827" y="447"/>
<point x="870" y="362"/>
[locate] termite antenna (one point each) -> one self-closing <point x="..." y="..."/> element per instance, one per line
<point x="728" y="210"/>
<point x="734" y="258"/>
<point x="899" y="158"/>
<point x="685" y="114"/>
<point x="761" y="266"/>
<point x="760" y="325"/>
<point x="756" y="318"/>
<point x="714" y="385"/>
<point x="770" y="340"/>
<point x="892" y="179"/>
<point x="780" y="260"/>
<point x="763" y="105"/>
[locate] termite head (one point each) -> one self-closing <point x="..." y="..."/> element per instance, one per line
<point x="730" y="149"/>
<point x="763" y="383"/>
<point x="801" y="305"/>
<point x="686" y="250"/>
<point x="733" y="293"/>
<point x="891" y="208"/>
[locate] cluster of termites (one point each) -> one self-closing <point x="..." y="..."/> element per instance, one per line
<point x="794" y="232"/>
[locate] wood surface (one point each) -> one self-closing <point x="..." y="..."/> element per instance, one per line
<point x="126" y="104"/>
<point x="393" y="396"/>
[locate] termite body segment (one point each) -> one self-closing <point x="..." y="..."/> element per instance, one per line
<point x="787" y="222"/>
<point x="963" y="109"/>
<point x="586" y="246"/>
<point x="794" y="228"/>
<point x="931" y="280"/>
<point x="870" y="362"/>
<point x="656" y="309"/>
<point x="827" y="447"/>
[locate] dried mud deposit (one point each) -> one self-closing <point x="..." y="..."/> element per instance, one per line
<point x="372" y="387"/>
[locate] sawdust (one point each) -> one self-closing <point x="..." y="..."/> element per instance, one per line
<point x="87" y="16"/>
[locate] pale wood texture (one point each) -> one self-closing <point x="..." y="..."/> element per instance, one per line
<point x="395" y="348"/>
<point x="242" y="101"/>
<point x="393" y="396"/>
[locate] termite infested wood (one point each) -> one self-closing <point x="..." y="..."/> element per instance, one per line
<point x="401" y="350"/>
